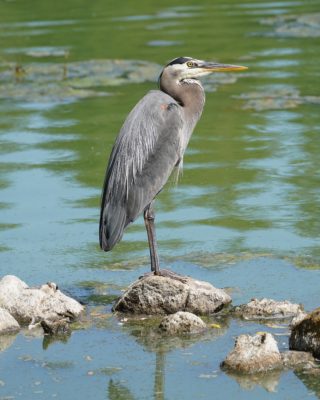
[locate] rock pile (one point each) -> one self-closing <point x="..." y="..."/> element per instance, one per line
<point x="23" y="305"/>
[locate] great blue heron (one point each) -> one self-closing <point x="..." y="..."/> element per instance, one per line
<point x="151" y="143"/>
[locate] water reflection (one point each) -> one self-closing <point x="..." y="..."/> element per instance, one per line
<point x="268" y="381"/>
<point x="310" y="380"/>
<point x="118" y="391"/>
<point x="147" y="335"/>
<point x="6" y="341"/>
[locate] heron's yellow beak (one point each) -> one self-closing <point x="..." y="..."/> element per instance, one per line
<point x="215" y="67"/>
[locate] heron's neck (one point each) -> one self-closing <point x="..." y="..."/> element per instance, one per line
<point x="188" y="93"/>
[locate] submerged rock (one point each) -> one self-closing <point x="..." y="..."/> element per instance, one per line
<point x="182" y="322"/>
<point x="254" y="354"/>
<point x="268" y="309"/>
<point x="69" y="81"/>
<point x="31" y="305"/>
<point x="300" y="360"/>
<point x="7" y="323"/>
<point x="54" y="93"/>
<point x="60" y="327"/>
<point x="305" y="335"/>
<point x="307" y="25"/>
<point x="147" y="333"/>
<point x="154" y="295"/>
<point x="276" y="98"/>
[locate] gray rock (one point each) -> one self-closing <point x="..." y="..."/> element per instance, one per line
<point x="254" y="354"/>
<point x="298" y="318"/>
<point x="7" y="322"/>
<point x="303" y="363"/>
<point x="182" y="322"/>
<point x="60" y="327"/>
<point x="30" y="305"/>
<point x="268" y="309"/>
<point x="305" y="335"/>
<point x="298" y="360"/>
<point x="154" y="295"/>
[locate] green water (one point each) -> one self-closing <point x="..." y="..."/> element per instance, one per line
<point x="245" y="214"/>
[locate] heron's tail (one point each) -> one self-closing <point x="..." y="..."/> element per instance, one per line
<point x="113" y="220"/>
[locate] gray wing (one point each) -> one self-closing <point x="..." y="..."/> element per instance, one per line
<point x="146" y="150"/>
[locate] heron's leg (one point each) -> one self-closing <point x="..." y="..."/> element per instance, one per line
<point x="149" y="223"/>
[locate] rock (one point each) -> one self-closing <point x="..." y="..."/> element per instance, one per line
<point x="60" y="327"/>
<point x="154" y="295"/>
<point x="182" y="322"/>
<point x="254" y="354"/>
<point x="31" y="305"/>
<point x="305" y="335"/>
<point x="298" y="318"/>
<point x="298" y="360"/>
<point x="268" y="309"/>
<point x="7" y="322"/>
<point x="146" y="332"/>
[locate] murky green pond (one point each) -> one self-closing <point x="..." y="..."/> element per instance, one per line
<point x="245" y="215"/>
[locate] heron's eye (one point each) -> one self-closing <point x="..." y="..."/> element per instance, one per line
<point x="191" y="64"/>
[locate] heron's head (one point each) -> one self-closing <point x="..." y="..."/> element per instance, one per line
<point x="190" y="68"/>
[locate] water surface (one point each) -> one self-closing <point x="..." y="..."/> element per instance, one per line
<point x="244" y="215"/>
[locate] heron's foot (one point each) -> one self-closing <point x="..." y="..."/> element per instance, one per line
<point x="167" y="274"/>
